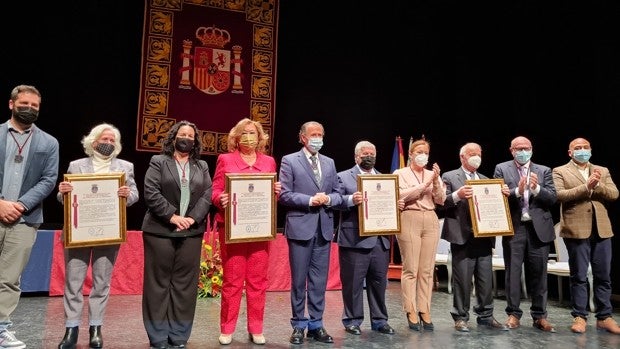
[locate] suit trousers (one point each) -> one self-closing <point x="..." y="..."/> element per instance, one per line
<point x="525" y="249"/>
<point x="474" y="260"/>
<point x="76" y="267"/>
<point x="309" y="261"/>
<point x="245" y="264"/>
<point x="359" y="265"/>
<point x="171" y="269"/>
<point x="418" y="245"/>
<point x="581" y="254"/>
<point x="16" y="241"/>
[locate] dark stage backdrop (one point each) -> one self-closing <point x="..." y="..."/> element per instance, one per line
<point x="454" y="71"/>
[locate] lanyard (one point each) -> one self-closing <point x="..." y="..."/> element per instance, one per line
<point x="19" y="157"/>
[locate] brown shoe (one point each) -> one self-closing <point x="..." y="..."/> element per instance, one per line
<point x="512" y="322"/>
<point x="461" y="326"/>
<point x="579" y="325"/>
<point x="492" y="324"/>
<point x="610" y="325"/>
<point x="543" y="325"/>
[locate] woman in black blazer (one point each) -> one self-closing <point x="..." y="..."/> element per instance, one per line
<point x="177" y="193"/>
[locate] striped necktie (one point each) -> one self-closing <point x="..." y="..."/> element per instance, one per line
<point x="315" y="168"/>
<point x="525" y="199"/>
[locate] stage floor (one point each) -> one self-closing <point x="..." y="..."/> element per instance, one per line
<point x="39" y="322"/>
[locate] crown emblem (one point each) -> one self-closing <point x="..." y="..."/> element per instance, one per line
<point x="212" y="36"/>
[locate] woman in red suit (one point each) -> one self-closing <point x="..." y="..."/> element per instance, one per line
<point x="244" y="262"/>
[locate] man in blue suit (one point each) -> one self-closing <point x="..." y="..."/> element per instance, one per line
<point x="532" y="195"/>
<point x="362" y="258"/>
<point x="310" y="187"/>
<point x="28" y="173"/>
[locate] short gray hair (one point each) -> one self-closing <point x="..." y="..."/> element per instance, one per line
<point x="363" y="144"/>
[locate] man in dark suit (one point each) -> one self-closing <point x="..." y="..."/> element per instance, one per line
<point x="362" y="258"/>
<point x="310" y="187"/>
<point x="532" y="195"/>
<point x="471" y="256"/>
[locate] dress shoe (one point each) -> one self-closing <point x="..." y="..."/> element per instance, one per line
<point x="610" y="325"/>
<point x="70" y="339"/>
<point x="385" y="329"/>
<point x="427" y="326"/>
<point x="414" y="325"/>
<point x="543" y="325"/>
<point x="461" y="326"/>
<point x="258" y="338"/>
<point x="492" y="324"/>
<point x="159" y="345"/>
<point x="320" y="335"/>
<point x="172" y="344"/>
<point x="353" y="329"/>
<point x="225" y="339"/>
<point x="298" y="336"/>
<point x="579" y="325"/>
<point x="96" y="338"/>
<point x="512" y="322"/>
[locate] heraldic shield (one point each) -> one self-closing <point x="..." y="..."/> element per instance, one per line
<point x="211" y="70"/>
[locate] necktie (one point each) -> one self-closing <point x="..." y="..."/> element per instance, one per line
<point x="525" y="199"/>
<point x="315" y="168"/>
<point x="472" y="175"/>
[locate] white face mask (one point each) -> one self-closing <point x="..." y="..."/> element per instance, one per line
<point x="421" y="159"/>
<point x="474" y="161"/>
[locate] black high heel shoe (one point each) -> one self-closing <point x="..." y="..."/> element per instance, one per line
<point x="413" y="325"/>
<point x="427" y="326"/>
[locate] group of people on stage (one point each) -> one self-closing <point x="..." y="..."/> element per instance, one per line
<point x="179" y="194"/>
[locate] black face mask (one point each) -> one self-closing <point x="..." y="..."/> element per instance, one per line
<point x="184" y="145"/>
<point x="25" y="115"/>
<point x="105" y="149"/>
<point x="368" y="162"/>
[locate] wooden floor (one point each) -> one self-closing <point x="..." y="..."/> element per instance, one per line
<point x="39" y="322"/>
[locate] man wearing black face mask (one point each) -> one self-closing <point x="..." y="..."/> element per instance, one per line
<point x="28" y="173"/>
<point x="362" y="258"/>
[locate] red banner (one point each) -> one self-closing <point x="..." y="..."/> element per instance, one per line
<point x="209" y="62"/>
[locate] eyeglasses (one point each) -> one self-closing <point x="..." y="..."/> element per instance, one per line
<point x="522" y="148"/>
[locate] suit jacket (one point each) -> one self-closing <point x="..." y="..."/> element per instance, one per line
<point x="85" y="165"/>
<point x="233" y="163"/>
<point x="348" y="226"/>
<point x="40" y="175"/>
<point x="457" y="225"/>
<point x="539" y="205"/>
<point x="578" y="207"/>
<point x="162" y="196"/>
<point x="298" y="186"/>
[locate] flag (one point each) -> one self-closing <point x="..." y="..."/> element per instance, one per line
<point x="408" y="150"/>
<point x="398" y="159"/>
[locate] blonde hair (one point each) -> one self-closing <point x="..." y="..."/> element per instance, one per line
<point x="235" y="134"/>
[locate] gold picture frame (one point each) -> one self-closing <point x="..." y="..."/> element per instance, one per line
<point x="252" y="207"/>
<point x="378" y="213"/>
<point x="94" y="214"/>
<point x="489" y="210"/>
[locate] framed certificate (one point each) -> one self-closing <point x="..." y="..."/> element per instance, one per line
<point x="251" y="210"/>
<point x="378" y="212"/>
<point x="490" y="213"/>
<point x="94" y="213"/>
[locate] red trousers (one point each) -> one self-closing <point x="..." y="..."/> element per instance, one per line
<point x="245" y="264"/>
